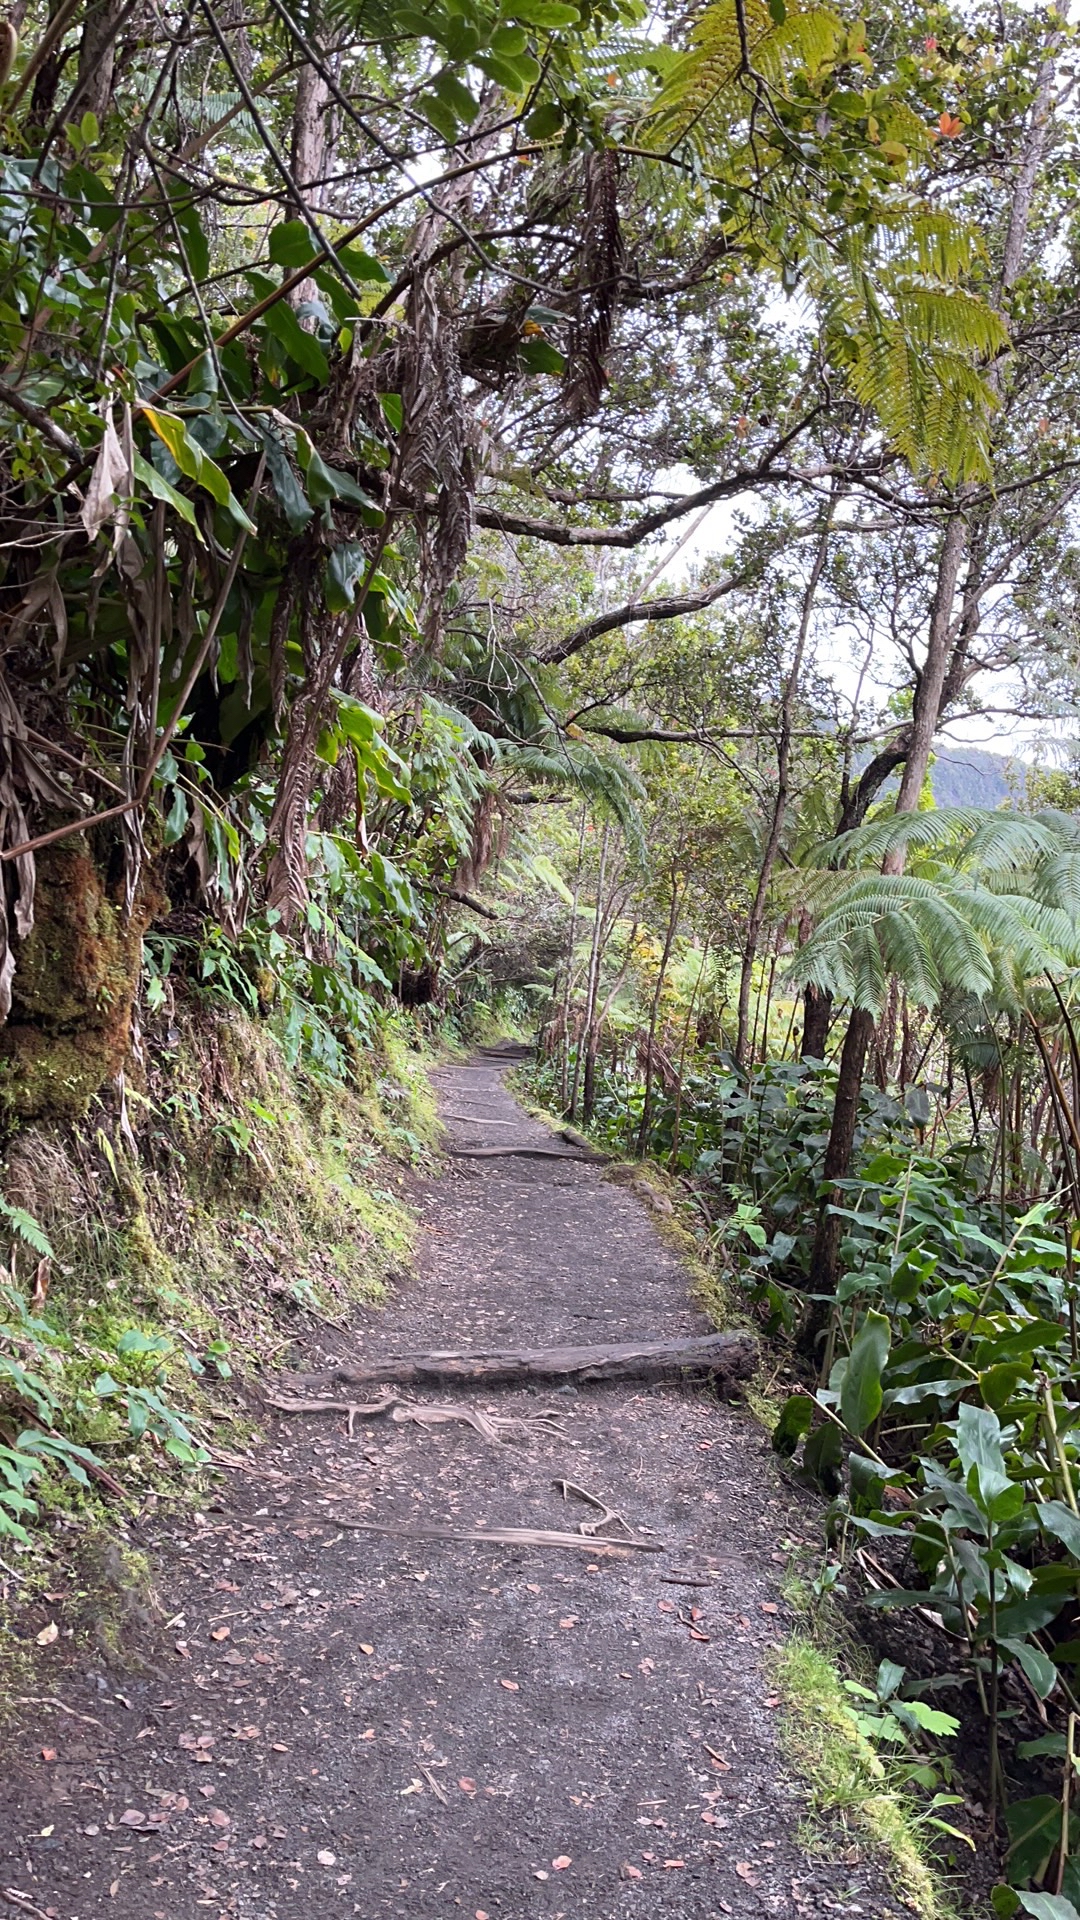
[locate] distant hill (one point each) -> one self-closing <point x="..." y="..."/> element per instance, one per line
<point x="971" y="777"/>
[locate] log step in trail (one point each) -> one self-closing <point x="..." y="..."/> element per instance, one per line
<point x="727" y="1357"/>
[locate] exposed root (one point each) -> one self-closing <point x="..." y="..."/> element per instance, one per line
<point x="497" y="1427"/>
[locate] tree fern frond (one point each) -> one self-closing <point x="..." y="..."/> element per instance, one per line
<point x="706" y="90"/>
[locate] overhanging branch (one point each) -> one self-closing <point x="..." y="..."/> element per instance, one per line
<point x="667" y="607"/>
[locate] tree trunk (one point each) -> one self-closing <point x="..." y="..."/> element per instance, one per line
<point x="817" y="1014"/>
<point x="564" y="1064"/>
<point x="310" y="156"/>
<point x="97" y="59"/>
<point x="654" y="1012"/>
<point x="756" y="917"/>
<point x="826" y="1254"/>
<point x="590" y="980"/>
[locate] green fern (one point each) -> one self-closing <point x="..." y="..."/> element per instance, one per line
<point x="992" y="909"/>
<point x="27" y="1228"/>
<point x="706" y="89"/>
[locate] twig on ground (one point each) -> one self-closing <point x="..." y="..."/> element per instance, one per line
<point x="498" y="1536"/>
<point x="50" y="1700"/>
<point x="23" y="1902"/>
<point x="607" y="1516"/>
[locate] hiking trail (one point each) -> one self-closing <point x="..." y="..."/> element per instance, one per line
<point x="333" y="1721"/>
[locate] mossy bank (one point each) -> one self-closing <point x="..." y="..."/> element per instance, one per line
<point x="160" y="1255"/>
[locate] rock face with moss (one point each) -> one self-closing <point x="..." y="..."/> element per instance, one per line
<point x="75" y="981"/>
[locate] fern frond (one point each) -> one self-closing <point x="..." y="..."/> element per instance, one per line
<point x="706" y="91"/>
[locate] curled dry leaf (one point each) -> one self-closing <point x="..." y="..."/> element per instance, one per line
<point x="510" y="1685"/>
<point x="560" y="1861"/>
<point x="325" y="1858"/>
<point x="48" y="1634"/>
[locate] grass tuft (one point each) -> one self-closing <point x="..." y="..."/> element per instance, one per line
<point x="848" y="1785"/>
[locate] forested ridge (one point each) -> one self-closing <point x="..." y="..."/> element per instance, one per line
<point x="502" y="505"/>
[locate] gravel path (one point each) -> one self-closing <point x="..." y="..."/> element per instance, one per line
<point x="339" y="1722"/>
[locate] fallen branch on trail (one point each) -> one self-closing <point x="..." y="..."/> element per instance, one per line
<point x="723" y="1356"/>
<point x="492" y="1426"/>
<point x="501" y="1536"/>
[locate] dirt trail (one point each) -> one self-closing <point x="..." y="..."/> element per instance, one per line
<point x="345" y="1723"/>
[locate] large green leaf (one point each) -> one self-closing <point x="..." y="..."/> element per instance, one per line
<point x="195" y="463"/>
<point x="861" y="1391"/>
<point x="1062" y="1524"/>
<point x="281" y="321"/>
<point x="1048" y="1906"/>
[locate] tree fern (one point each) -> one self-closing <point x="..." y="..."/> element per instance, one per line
<point x="707" y="91"/>
<point x="995" y="912"/>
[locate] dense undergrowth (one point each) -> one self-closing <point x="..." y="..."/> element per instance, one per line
<point x="938" y="1414"/>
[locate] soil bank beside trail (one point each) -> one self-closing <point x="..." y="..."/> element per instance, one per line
<point x="339" y="1722"/>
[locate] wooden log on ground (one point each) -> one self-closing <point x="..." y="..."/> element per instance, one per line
<point x="723" y="1356"/>
<point x="518" y="1153"/>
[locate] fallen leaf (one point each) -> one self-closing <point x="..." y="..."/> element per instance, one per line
<point x="48" y="1634"/>
<point x="278" y="1746"/>
<point x="561" y="1860"/>
<point x="131" y="1817"/>
<point x="746" y="1872"/>
<point x="221" y="1633"/>
<point x="325" y="1858"/>
<point x="48" y="1753"/>
<point x="665" y="1606"/>
<point x="769" y="1606"/>
<point x="628" y="1872"/>
<point x="696" y="1634"/>
<point x="218" y="1818"/>
<point x="674" y="1863"/>
<point x="365" y="1648"/>
<point x="570" y="1621"/>
<point x="467" y="1785"/>
<point x="541" y="1874"/>
<point x="510" y="1685"/>
<point x="772" y="1700"/>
